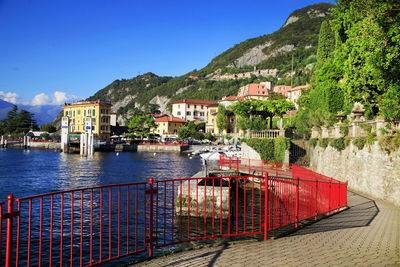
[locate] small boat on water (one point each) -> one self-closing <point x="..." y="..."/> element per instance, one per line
<point x="214" y="154"/>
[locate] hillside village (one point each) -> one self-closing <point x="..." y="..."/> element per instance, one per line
<point x="183" y="112"/>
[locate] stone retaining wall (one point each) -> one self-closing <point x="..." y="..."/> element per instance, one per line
<point x="370" y="170"/>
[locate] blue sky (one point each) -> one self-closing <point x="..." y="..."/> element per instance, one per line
<point x="55" y="51"/>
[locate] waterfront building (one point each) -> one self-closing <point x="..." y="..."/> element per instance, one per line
<point x="98" y="111"/>
<point x="168" y="125"/>
<point x="191" y="109"/>
<point x="255" y="90"/>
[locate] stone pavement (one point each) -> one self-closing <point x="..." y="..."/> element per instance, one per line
<point x="367" y="234"/>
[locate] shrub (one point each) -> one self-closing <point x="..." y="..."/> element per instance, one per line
<point x="366" y="127"/>
<point x="347" y="141"/>
<point x="344" y="130"/>
<point x="313" y="142"/>
<point x="338" y="143"/>
<point x="265" y="147"/>
<point x="359" y="142"/>
<point x="371" y="138"/>
<point x="324" y="142"/>
<point x="281" y="144"/>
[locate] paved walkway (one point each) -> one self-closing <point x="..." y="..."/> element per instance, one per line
<point x="367" y="234"/>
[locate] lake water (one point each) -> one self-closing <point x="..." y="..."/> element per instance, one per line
<point x="30" y="172"/>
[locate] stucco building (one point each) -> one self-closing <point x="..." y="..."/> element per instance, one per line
<point x="191" y="109"/>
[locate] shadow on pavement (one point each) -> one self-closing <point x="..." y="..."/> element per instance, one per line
<point x="361" y="212"/>
<point x="215" y="254"/>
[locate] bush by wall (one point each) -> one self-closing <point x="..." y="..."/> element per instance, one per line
<point x="313" y="142"/>
<point x="270" y="149"/>
<point x="359" y="142"/>
<point x="281" y="145"/>
<point x="324" y="142"/>
<point x="338" y="143"/>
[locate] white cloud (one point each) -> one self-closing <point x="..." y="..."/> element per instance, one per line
<point x="9" y="97"/>
<point x="41" y="99"/>
<point x="58" y="98"/>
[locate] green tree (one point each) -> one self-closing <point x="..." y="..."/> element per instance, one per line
<point x="141" y="125"/>
<point x="222" y="120"/>
<point x="325" y="44"/>
<point x="48" y="127"/>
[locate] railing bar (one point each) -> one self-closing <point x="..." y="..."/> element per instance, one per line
<point x="91" y="227"/>
<point x="180" y="212"/>
<point x="109" y="221"/>
<point x="18" y="233"/>
<point x="244" y="204"/>
<point x="101" y="225"/>
<point x="188" y="230"/>
<point x="252" y="205"/>
<point x="136" y="218"/>
<point x="81" y="247"/>
<point x="165" y="210"/>
<point x="127" y="220"/>
<point x="119" y="221"/>
<point x="51" y="231"/>
<point x="62" y="229"/>
<point x="205" y="208"/>
<point x="197" y="207"/>
<point x="229" y="207"/>
<point x="220" y="206"/>
<point x="40" y="231"/>
<point x="72" y="229"/>
<point x="237" y="205"/>
<point x="173" y="210"/>
<point x="213" y="216"/>
<point x="157" y="216"/>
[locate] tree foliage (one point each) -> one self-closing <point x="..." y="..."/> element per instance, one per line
<point x="17" y="123"/>
<point x="141" y="125"/>
<point x="222" y="119"/>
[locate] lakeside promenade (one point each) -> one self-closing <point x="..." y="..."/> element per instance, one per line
<point x="366" y="234"/>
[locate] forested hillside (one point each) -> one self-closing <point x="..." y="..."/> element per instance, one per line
<point x="293" y="45"/>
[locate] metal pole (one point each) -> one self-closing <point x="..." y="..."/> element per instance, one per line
<point x="9" y="236"/>
<point x="266" y="208"/>
<point x="151" y="219"/>
<point x="297" y="202"/>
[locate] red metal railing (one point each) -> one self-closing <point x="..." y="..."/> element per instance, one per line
<point x="95" y="225"/>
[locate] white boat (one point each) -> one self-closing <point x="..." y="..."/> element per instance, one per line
<point x="212" y="155"/>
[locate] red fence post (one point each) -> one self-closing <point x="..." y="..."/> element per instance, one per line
<point x="237" y="165"/>
<point x="330" y="196"/>
<point x="249" y="166"/>
<point x="316" y="199"/>
<point x="266" y="208"/>
<point x="297" y="203"/>
<point x="151" y="219"/>
<point x="9" y="236"/>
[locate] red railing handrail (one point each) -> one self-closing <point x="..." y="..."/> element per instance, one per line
<point x="78" y="189"/>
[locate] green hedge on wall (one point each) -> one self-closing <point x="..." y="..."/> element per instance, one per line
<point x="270" y="149"/>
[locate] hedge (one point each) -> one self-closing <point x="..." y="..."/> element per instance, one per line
<point x="270" y="149"/>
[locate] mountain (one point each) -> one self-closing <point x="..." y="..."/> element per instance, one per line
<point x="293" y="45"/>
<point x="5" y="107"/>
<point x="42" y="114"/>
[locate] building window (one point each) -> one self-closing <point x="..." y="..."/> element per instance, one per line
<point x="188" y="105"/>
<point x="195" y="106"/>
<point x="94" y="112"/>
<point x="202" y="107"/>
<point x="201" y="113"/>
<point x="195" y="113"/>
<point x="188" y="113"/>
<point x="93" y="128"/>
<point x="178" y="113"/>
<point x="84" y="113"/>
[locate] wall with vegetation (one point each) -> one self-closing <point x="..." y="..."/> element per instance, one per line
<point x="270" y="149"/>
<point x="368" y="169"/>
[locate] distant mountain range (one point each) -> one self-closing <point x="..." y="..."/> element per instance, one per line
<point x="42" y="114"/>
<point x="293" y="45"/>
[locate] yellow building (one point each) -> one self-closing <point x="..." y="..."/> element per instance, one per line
<point x="98" y="110"/>
<point x="211" y="125"/>
<point x="168" y="125"/>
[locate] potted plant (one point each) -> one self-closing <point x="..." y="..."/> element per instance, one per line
<point x="340" y="116"/>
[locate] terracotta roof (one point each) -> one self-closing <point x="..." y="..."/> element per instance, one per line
<point x="301" y="87"/>
<point x="195" y="101"/>
<point x="233" y="98"/>
<point x="169" y="119"/>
